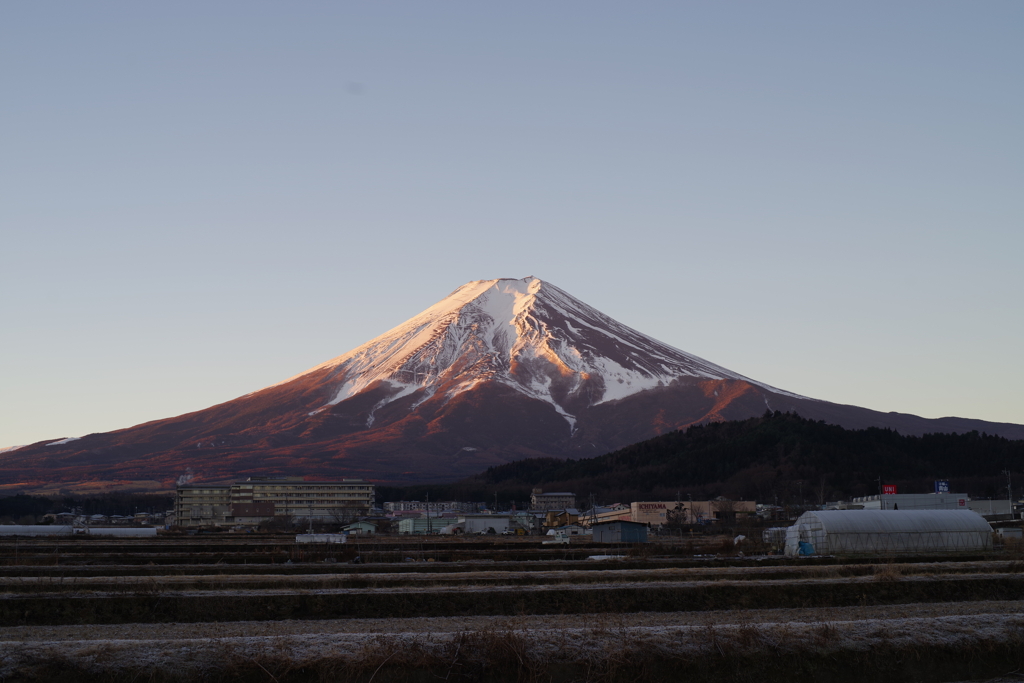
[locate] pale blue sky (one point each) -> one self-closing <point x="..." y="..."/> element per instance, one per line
<point x="200" y="199"/>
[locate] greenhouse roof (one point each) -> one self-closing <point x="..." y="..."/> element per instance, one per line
<point x="895" y="521"/>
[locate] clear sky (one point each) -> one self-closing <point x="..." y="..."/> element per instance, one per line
<point x="200" y="199"/>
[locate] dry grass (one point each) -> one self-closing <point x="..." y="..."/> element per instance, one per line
<point x="609" y="644"/>
<point x="888" y="572"/>
<point x="610" y="651"/>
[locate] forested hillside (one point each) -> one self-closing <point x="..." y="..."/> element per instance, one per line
<point x="776" y="457"/>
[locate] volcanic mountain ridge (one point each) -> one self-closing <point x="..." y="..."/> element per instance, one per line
<point x="497" y="371"/>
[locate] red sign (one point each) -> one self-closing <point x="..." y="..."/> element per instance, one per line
<point x="961" y="502"/>
<point x="888" y="489"/>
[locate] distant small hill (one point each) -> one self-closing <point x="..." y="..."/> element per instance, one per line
<point x="776" y="457"/>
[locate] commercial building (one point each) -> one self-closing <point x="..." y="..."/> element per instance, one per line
<point x="606" y="513"/>
<point x="259" y="499"/>
<point x="914" y="501"/>
<point x="990" y="509"/>
<point x="657" y="513"/>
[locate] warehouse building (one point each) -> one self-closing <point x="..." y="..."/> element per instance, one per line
<point x="619" y="532"/>
<point x="990" y="509"/>
<point x="482" y="523"/>
<point x="259" y="499"/>
<point x="690" y="511"/>
<point x="841" y="532"/>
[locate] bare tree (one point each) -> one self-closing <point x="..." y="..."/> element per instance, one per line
<point x="677" y="516"/>
<point x="725" y="510"/>
<point x="345" y="515"/>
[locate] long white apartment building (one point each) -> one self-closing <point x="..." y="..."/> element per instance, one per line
<point x="258" y="499"/>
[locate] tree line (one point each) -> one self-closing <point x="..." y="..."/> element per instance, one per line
<point x="776" y="458"/>
<point x="20" y="507"/>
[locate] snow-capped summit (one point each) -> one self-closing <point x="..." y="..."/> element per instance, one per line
<point x="526" y="334"/>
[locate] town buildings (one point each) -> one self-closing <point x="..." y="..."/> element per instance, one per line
<point x="989" y="509"/>
<point x="259" y="499"/>
<point x="434" y="507"/>
<point x="661" y="512"/>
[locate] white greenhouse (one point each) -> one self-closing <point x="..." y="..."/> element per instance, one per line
<point x="35" y="530"/>
<point x="839" y="532"/>
<point x="144" y="531"/>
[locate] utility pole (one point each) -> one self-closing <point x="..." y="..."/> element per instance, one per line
<point x="1009" y="492"/>
<point x="428" y="514"/>
<point x="881" y="500"/>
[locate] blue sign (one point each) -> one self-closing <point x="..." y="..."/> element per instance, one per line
<point x="942" y="486"/>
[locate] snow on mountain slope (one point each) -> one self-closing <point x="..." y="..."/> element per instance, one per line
<point x="498" y="371"/>
<point x="526" y="334"/>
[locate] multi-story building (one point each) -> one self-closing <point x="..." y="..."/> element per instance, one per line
<point x="543" y="502"/>
<point x="202" y="504"/>
<point x="259" y="499"/>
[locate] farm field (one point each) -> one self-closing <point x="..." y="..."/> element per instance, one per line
<point x="262" y="608"/>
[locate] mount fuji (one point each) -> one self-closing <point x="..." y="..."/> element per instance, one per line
<point x="497" y="371"/>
